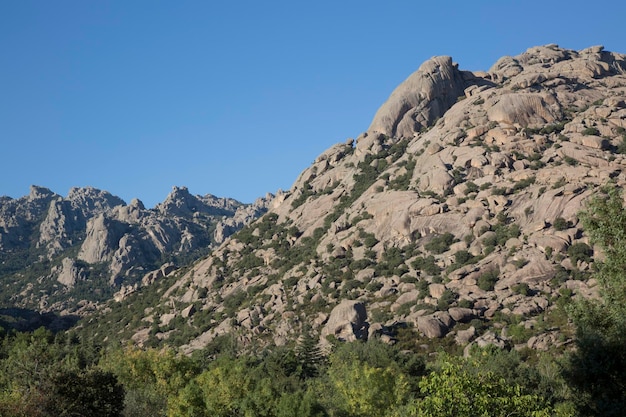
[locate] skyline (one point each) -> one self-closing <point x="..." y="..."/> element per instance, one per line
<point x="237" y="99"/>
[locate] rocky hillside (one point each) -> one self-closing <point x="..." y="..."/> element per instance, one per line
<point x="453" y="219"/>
<point x="61" y="253"/>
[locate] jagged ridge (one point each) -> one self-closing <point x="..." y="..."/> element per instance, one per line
<point x="93" y="240"/>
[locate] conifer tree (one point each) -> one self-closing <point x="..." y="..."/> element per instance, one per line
<point x="308" y="355"/>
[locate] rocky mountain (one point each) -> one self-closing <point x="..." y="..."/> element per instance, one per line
<point x="452" y="219"/>
<point x="61" y="253"/>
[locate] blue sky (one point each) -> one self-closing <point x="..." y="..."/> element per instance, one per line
<point x="233" y="98"/>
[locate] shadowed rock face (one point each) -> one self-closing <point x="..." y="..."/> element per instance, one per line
<point x="347" y="322"/>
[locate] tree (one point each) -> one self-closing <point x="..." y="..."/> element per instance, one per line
<point x="93" y="393"/>
<point x="230" y="387"/>
<point x="597" y="369"/>
<point x="309" y="356"/>
<point x="151" y="377"/>
<point x="367" y="379"/>
<point x="44" y="375"/>
<point x="367" y="391"/>
<point x="454" y="391"/>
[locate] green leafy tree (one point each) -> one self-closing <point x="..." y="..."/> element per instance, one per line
<point x="301" y="404"/>
<point x="597" y="368"/>
<point x="367" y="391"/>
<point x="150" y="377"/>
<point x="454" y="391"/>
<point x="44" y="375"/>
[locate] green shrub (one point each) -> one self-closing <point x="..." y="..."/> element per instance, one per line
<point x="590" y="131"/>
<point x="580" y="252"/>
<point x="561" y="224"/>
<point x="470" y="187"/>
<point x="465" y="303"/>
<point x="427" y="265"/>
<point x="522" y="288"/>
<point x="233" y="301"/>
<point x="447" y="298"/>
<point x="559" y="183"/>
<point x="520" y="263"/>
<point x="440" y="244"/>
<point x="621" y="148"/>
<point x="369" y="240"/>
<point x="570" y="161"/>
<point x="487" y="281"/>
<point x="521" y="184"/>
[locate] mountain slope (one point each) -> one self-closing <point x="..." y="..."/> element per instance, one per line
<point x="452" y="217"/>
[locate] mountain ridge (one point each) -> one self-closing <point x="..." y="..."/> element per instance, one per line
<point x="92" y="238"/>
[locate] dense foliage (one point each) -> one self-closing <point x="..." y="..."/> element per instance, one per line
<point x="47" y="375"/>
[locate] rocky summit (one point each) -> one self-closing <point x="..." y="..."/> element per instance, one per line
<point x="453" y="219"/>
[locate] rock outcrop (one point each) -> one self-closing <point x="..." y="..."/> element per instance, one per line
<point x="425" y="96"/>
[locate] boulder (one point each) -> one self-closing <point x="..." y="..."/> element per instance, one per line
<point x="347" y="322"/>
<point x="431" y="326"/>
<point x="460" y="314"/>
<point x="70" y="273"/>
<point x="188" y="311"/>
<point x="487" y="339"/>
<point x="524" y="109"/>
<point x="463" y="337"/>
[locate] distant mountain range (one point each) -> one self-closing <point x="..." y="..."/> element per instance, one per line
<point x="62" y="254"/>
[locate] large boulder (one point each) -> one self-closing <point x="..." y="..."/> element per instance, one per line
<point x="432" y="326"/>
<point x="524" y="109"/>
<point x="70" y="273"/>
<point x="347" y="322"/>
<point x="102" y="240"/>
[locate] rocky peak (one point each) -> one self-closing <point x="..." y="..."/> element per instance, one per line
<point x="67" y="217"/>
<point x="19" y="216"/>
<point x="91" y="201"/>
<point x="423" y="97"/>
<point x="180" y="202"/>
<point x="39" y="193"/>
<point x="241" y="217"/>
<point x="91" y="237"/>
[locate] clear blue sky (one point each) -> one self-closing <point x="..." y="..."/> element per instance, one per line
<point x="233" y="98"/>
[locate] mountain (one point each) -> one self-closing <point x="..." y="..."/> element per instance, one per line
<point x="451" y="221"/>
<point x="64" y="253"/>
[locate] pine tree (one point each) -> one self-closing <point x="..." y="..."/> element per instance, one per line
<point x="309" y="356"/>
